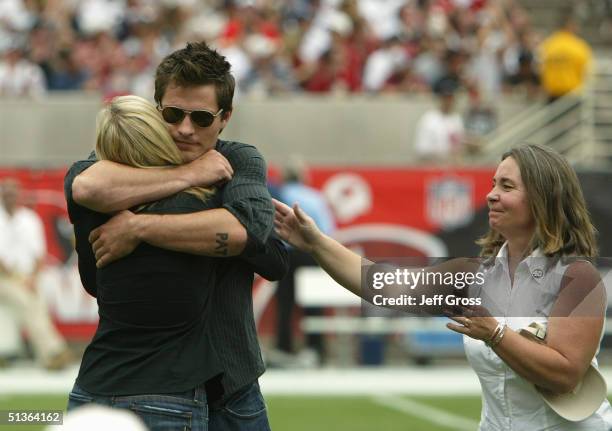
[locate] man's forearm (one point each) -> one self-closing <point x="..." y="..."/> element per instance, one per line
<point x="273" y="263"/>
<point x="211" y="233"/>
<point x="109" y="187"/>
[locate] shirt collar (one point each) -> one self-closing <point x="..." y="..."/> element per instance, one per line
<point x="535" y="262"/>
<point x="501" y="260"/>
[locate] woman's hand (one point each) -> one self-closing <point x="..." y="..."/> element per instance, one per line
<point x="475" y="322"/>
<point x="296" y="227"/>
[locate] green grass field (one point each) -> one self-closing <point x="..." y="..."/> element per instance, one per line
<point x="298" y="413"/>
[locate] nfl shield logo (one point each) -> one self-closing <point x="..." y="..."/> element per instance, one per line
<point x="449" y="202"/>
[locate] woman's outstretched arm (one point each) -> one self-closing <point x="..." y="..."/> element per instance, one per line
<point x="298" y="229"/>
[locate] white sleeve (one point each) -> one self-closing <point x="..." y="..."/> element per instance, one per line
<point x="376" y="71"/>
<point x="424" y="137"/>
<point x="36" y="237"/>
<point x="37" y="85"/>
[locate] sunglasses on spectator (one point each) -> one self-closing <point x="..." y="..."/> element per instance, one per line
<point x="201" y="118"/>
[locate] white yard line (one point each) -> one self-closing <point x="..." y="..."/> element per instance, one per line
<point x="25" y="378"/>
<point x="459" y="380"/>
<point x="428" y="413"/>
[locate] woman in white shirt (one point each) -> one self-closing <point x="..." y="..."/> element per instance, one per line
<point x="534" y="270"/>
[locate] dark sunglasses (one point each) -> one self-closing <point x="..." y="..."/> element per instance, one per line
<point x="201" y="118"/>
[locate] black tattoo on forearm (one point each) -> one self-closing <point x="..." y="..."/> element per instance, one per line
<point x="222" y="245"/>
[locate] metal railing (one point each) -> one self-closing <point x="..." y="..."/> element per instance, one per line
<point x="568" y="124"/>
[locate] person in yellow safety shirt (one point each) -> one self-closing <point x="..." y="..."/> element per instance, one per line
<point x="565" y="60"/>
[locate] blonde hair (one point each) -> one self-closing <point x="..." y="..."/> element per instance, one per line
<point x="130" y="130"/>
<point x="563" y="225"/>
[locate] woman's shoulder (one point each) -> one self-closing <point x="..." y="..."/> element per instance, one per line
<point x="579" y="268"/>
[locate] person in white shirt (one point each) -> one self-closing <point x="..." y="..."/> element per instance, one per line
<point x="22" y="252"/>
<point x="380" y="66"/>
<point x="535" y="270"/>
<point x="19" y="77"/>
<point x="440" y="133"/>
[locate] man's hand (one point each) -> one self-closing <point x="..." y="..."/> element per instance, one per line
<point x="210" y="169"/>
<point x="114" y="239"/>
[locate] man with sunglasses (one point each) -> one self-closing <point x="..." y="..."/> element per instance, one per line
<point x="194" y="90"/>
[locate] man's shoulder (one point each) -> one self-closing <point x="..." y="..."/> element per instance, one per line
<point x="232" y="147"/>
<point x="242" y="156"/>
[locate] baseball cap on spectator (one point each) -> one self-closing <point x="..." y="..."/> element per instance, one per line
<point x="95" y="16"/>
<point x="13" y="42"/>
<point x="16" y="16"/>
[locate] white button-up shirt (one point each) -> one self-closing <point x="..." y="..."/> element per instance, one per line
<point x="22" y="240"/>
<point x="509" y="402"/>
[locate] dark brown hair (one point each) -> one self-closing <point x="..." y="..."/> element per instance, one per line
<point x="196" y="64"/>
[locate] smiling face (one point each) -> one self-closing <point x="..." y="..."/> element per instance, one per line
<point x="192" y="140"/>
<point x="509" y="211"/>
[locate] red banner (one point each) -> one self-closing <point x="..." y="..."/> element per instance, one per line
<point x="426" y="199"/>
<point x="399" y="212"/>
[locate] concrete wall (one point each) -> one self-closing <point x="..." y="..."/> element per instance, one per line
<point x="48" y="132"/>
<point x="362" y="130"/>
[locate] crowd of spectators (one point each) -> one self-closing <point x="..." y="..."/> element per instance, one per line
<point x="274" y="46"/>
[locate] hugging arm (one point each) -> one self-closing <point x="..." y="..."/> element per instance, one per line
<point x="240" y="226"/>
<point x="273" y="263"/>
<point x="108" y="187"/>
<point x="84" y="220"/>
<point x="246" y="196"/>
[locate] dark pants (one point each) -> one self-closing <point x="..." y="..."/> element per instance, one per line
<point x="184" y="411"/>
<point x="243" y="411"/>
<point x="285" y="297"/>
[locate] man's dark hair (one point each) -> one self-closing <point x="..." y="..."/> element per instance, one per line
<point x="196" y="64"/>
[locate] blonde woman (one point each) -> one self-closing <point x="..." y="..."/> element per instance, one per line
<point x="154" y="304"/>
<point x="534" y="269"/>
